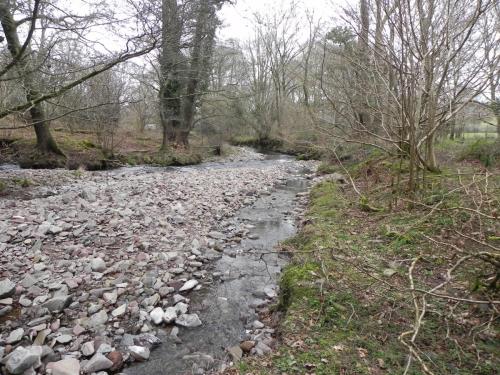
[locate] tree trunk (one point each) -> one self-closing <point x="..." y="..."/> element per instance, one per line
<point x="171" y="60"/>
<point x="452" y="128"/>
<point x="180" y="81"/>
<point x="496" y="113"/>
<point x="45" y="142"/>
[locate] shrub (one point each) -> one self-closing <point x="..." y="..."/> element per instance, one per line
<point x="484" y="150"/>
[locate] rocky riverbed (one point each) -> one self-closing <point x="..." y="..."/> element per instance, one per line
<point x="95" y="263"/>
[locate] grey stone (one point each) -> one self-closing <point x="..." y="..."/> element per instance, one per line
<point x="58" y="303"/>
<point x="188" y="320"/>
<point x="7" y="288"/>
<point x="111" y="297"/>
<point x="68" y="366"/>
<point x="23" y="359"/>
<point x="88" y="195"/>
<point x="42" y="335"/>
<point x="151" y="301"/>
<point x="88" y="349"/>
<point x="6" y="301"/>
<point x="170" y="315"/>
<point x="15" y="336"/>
<point x="257" y="324"/>
<point x="98" y="319"/>
<point x="188" y="285"/>
<point x="105" y="348"/>
<point x="261" y="348"/>
<point x="28" y="281"/>
<point x="236" y="353"/>
<point x="24" y="301"/>
<point x="119" y="311"/>
<point x="64" y="339"/>
<point x="97" y="363"/>
<point x="178" y="298"/>
<point x="181" y="308"/>
<point x="98" y="265"/>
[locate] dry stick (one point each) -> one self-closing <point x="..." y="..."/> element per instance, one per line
<point x="480" y="255"/>
<point x="347" y="172"/>
<point x="419" y="315"/>
<point x="478" y="241"/>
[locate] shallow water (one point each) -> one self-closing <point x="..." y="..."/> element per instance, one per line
<point x="225" y="307"/>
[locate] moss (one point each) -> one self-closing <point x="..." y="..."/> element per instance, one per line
<point x="295" y="283"/>
<point x="87" y="144"/>
<point x="338" y="319"/>
<point x="326" y="168"/>
<point x="23" y="182"/>
<point x="37" y="160"/>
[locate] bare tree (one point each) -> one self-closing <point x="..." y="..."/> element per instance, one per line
<point x="32" y="61"/>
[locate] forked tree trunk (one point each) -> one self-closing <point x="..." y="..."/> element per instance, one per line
<point x="181" y="81"/>
<point x="45" y="142"/>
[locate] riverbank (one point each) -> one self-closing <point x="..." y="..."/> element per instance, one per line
<point x="346" y="297"/>
<point x="82" y="153"/>
<point x="95" y="262"/>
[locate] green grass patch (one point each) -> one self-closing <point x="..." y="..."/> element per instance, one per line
<point x="340" y="317"/>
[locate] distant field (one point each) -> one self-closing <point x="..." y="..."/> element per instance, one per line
<point x="479" y="135"/>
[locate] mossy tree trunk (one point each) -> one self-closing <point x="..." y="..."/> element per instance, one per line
<point x="182" y="75"/>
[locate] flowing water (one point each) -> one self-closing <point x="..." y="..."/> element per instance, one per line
<point x="246" y="270"/>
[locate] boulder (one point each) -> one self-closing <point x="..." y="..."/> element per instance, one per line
<point x="23" y="359"/>
<point x="188" y="320"/>
<point x="98" y="265"/>
<point x="15" y="336"/>
<point x="157" y="315"/>
<point x="58" y="303"/>
<point x="68" y="366"/>
<point x="98" y="319"/>
<point x="188" y="285"/>
<point x="170" y="315"/>
<point x="7" y="288"/>
<point x="97" y="363"/>
<point x="117" y="359"/>
<point x="139" y="353"/>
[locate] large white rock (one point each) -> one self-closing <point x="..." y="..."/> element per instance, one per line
<point x="120" y="310"/>
<point x="181" y="308"/>
<point x="170" y="315"/>
<point x="157" y="315"/>
<point x="188" y="285"/>
<point x="15" y="336"/>
<point x="139" y="353"/>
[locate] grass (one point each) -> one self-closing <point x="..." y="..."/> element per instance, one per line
<point x="344" y="294"/>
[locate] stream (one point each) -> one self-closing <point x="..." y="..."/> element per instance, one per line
<point x="247" y="272"/>
<point x="91" y="258"/>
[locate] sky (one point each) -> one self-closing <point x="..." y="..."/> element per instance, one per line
<point x="236" y="18"/>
